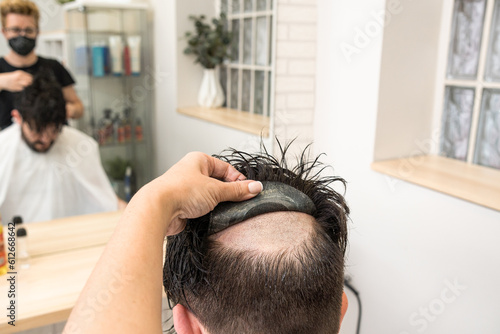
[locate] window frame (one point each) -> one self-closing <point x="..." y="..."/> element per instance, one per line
<point x="240" y="66"/>
<point x="479" y="84"/>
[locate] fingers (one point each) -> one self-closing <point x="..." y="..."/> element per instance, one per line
<point x="239" y="191"/>
<point x="231" y="191"/>
<point x="26" y="79"/>
<point x="223" y="171"/>
<point x="20" y="80"/>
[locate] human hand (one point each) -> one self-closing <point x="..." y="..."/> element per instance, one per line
<point x="16" y="81"/>
<point x="194" y="186"/>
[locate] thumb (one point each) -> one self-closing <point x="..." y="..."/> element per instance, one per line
<point x="240" y="190"/>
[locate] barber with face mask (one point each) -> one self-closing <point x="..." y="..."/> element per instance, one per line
<point x="20" y="28"/>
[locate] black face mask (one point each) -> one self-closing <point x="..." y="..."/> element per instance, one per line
<point x="22" y="45"/>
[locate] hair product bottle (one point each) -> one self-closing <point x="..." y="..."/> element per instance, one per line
<point x="18" y="222"/>
<point x="126" y="60"/>
<point x="138" y="130"/>
<point x="116" y="128"/>
<point x="22" y="255"/>
<point x="129" y="183"/>
<point x="127" y="124"/>
<point x="98" y="59"/>
<point x="121" y="131"/>
<point x="116" y="47"/>
<point x="105" y="128"/>
<point x="134" y="44"/>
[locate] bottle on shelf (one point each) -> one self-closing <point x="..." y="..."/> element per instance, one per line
<point x="81" y="62"/>
<point x="116" y="128"/>
<point x="107" y="58"/>
<point x="126" y="60"/>
<point x="129" y="183"/>
<point x="121" y="131"/>
<point x="138" y="130"/>
<point x="22" y="255"/>
<point x="134" y="45"/>
<point x="116" y="50"/>
<point x="127" y="124"/>
<point x="105" y="128"/>
<point x="100" y="62"/>
<point x="18" y="222"/>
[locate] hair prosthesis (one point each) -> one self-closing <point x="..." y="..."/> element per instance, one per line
<point x="274" y="197"/>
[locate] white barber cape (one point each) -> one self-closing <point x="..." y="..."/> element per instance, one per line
<point x="67" y="180"/>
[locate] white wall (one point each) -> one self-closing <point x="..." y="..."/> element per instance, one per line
<point x="295" y="74"/>
<point x="405" y="241"/>
<point x="408" y="80"/>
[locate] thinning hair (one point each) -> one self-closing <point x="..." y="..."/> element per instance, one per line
<point x="294" y="290"/>
<point x="42" y="103"/>
<point x="22" y="7"/>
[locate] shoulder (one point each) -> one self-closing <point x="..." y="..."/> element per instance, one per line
<point x="5" y="66"/>
<point x="12" y="130"/>
<point x="8" y="137"/>
<point x="61" y="73"/>
<point x="49" y="62"/>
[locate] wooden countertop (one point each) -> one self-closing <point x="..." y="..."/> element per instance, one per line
<point x="64" y="252"/>
<point x="69" y="233"/>
<point x="48" y="290"/>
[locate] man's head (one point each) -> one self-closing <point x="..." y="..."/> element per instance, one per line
<point x="20" y="24"/>
<point x="19" y="7"/>
<point x="278" y="272"/>
<point x="40" y="109"/>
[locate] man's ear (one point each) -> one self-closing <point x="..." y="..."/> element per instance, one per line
<point x="17" y="116"/>
<point x="345" y="304"/>
<point x="185" y="322"/>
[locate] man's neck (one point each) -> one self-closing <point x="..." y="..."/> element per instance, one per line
<point x="21" y="61"/>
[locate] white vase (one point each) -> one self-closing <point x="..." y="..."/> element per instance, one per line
<point x="211" y="94"/>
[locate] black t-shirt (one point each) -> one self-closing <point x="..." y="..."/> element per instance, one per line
<point x="7" y="97"/>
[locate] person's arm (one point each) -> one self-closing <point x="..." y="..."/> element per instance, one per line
<point x="74" y="106"/>
<point x="15" y="81"/>
<point x="123" y="294"/>
<point x="121" y="203"/>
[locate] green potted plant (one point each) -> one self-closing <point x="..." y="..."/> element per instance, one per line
<point x="211" y="46"/>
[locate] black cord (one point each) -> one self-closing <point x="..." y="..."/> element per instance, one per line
<point x="356" y="293"/>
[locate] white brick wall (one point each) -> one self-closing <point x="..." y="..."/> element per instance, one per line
<point x="292" y="49"/>
<point x="293" y="14"/>
<point x="302" y="32"/>
<point x="301" y="67"/>
<point x="294" y="101"/>
<point x="294" y="84"/>
<point x="300" y="101"/>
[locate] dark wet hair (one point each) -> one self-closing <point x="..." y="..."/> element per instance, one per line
<point x="42" y="103"/>
<point x="292" y="291"/>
